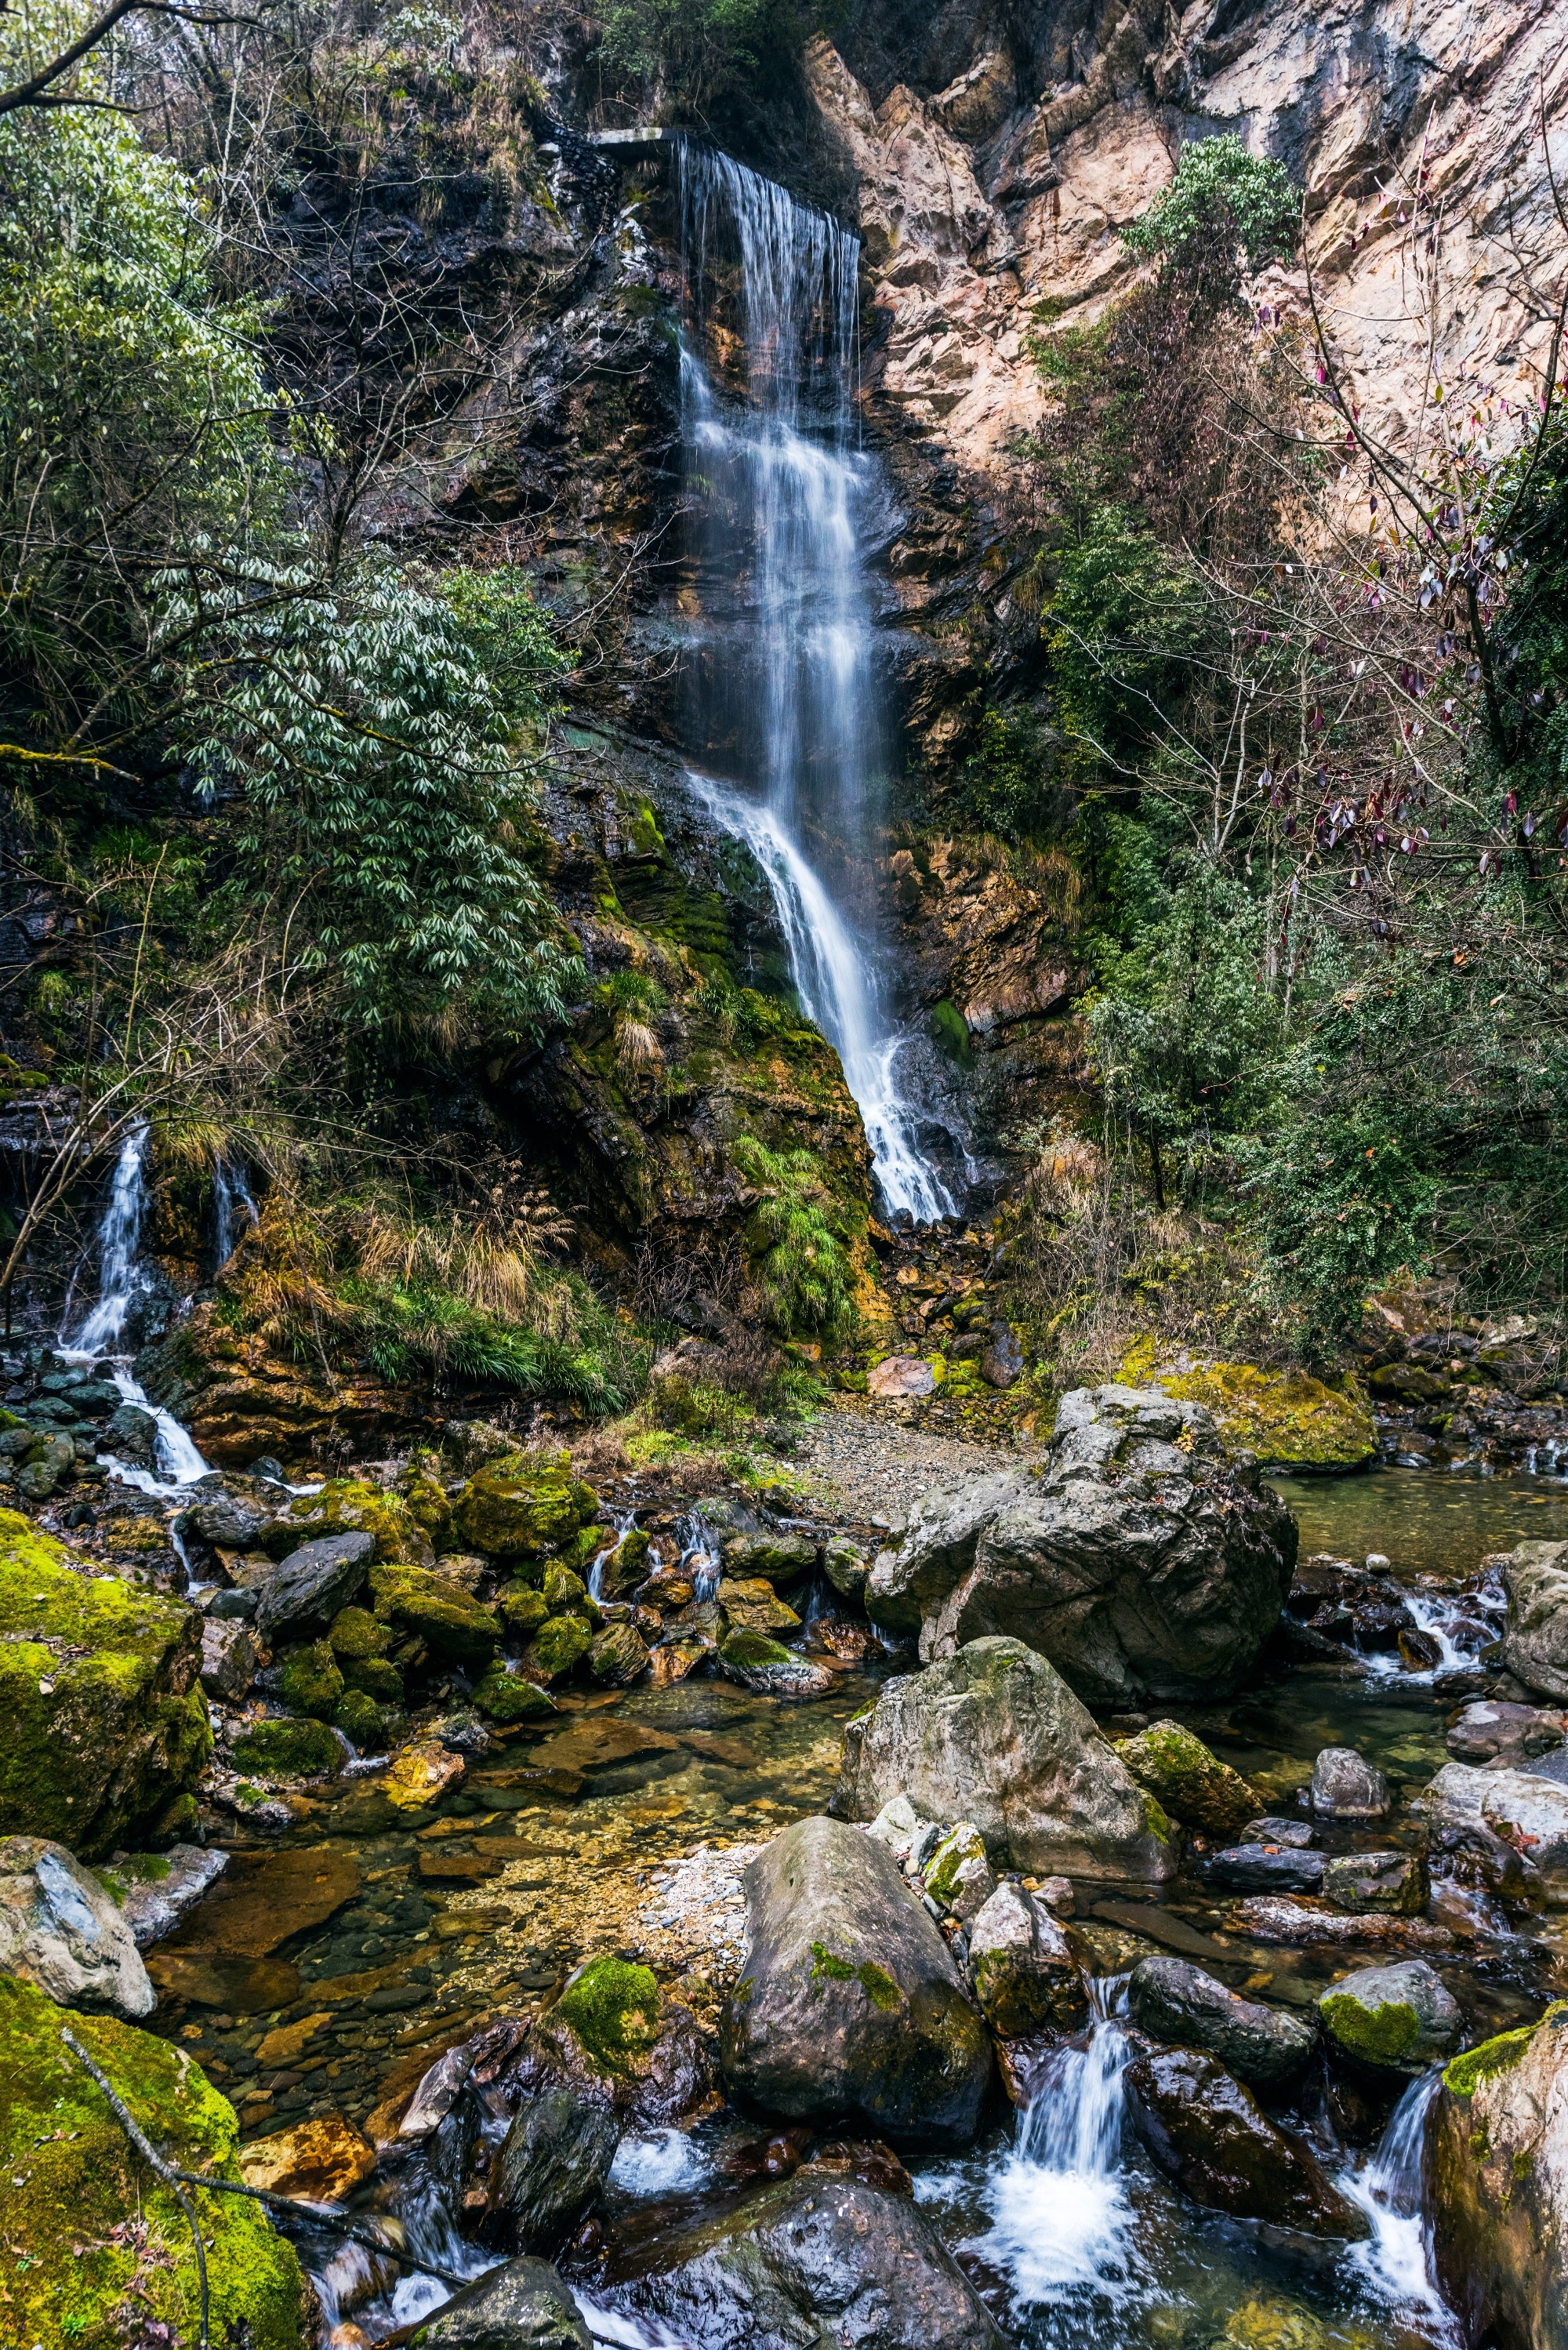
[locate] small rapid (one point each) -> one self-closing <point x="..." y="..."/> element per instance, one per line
<point x="1395" y="2264"/>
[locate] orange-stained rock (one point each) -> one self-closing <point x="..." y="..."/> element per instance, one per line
<point x="319" y="2161"/>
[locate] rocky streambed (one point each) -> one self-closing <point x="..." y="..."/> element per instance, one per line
<point x="837" y="1978"/>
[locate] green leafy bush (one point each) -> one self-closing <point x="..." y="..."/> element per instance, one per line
<point x="800" y="1238"/>
<point x="1224" y="208"/>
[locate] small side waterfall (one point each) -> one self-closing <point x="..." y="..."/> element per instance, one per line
<point x="783" y="693"/>
<point x="232" y="1199"/>
<point x="1396" y="2261"/>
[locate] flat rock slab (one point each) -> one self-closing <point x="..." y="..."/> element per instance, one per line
<point x="319" y="2161"/>
<point x="901" y="1374"/>
<point x="1265" y="1920"/>
<point x="207" y="1979"/>
<point x="1160" y="1926"/>
<point x="599" y="1745"/>
<point x="264" y="1898"/>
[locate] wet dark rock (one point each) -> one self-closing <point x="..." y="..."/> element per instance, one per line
<point x="1346" y="1786"/>
<point x="816" y="2261"/>
<point x="315" y="1580"/>
<point x="994" y="1735"/>
<point x="522" y="2305"/>
<point x="1383" y="1884"/>
<point x="1263" y="1868"/>
<point x="1394" y="2019"/>
<point x="1206" y="2131"/>
<point x="1499" y="2164"/>
<point x="156" y="1891"/>
<point x="229" y="1658"/>
<point x="615" y="2040"/>
<point x="550" y="2171"/>
<point x="1172" y="1999"/>
<point x="1139" y="1568"/>
<point x="1024" y="1967"/>
<point x="1297" y="1836"/>
<point x="133" y="1434"/>
<point x="850" y="2002"/>
<point x="1491" y="1730"/>
<point x="1187" y="1780"/>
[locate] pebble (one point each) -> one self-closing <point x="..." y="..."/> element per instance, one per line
<point x="874" y="1471"/>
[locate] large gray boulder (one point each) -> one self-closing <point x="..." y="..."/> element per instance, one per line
<point x="1391" y="2020"/>
<point x="313" y="1582"/>
<point x="1499" y="2168"/>
<point x="1142" y="1562"/>
<point x="522" y="2305"/>
<point x="1518" y="1806"/>
<point x="817" y="2262"/>
<point x="1535" y="1644"/>
<point x="1170" y="1998"/>
<point x="848" y="2002"/>
<point x="61" y="1930"/>
<point x="550" y="2171"/>
<point x="994" y="1735"/>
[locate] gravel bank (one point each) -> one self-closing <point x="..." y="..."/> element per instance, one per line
<point x="863" y="1466"/>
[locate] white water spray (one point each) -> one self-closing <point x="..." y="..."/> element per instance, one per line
<point x="783" y="678"/>
<point x="1396" y="2263"/>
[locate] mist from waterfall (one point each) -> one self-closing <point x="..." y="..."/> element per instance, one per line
<point x="782" y="686"/>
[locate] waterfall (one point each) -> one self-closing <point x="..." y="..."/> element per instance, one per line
<point x="782" y="689"/>
<point x="231" y="1198"/>
<point x="1396" y="2263"/>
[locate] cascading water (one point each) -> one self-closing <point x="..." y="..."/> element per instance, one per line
<point x="783" y="686"/>
<point x="1396" y="2263"/>
<point x="232" y="1199"/>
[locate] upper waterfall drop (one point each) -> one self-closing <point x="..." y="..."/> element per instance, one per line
<point x="783" y="694"/>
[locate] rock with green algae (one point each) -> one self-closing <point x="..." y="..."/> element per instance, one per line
<point x="559" y="1643"/>
<point x="523" y="1607"/>
<point x="310" y="1682"/>
<point x="354" y="1633"/>
<point x="564" y="1593"/>
<point x="1499" y="2171"/>
<point x="348" y="1503"/>
<point x="361" y="1720"/>
<point x="426" y="1496"/>
<point x="507" y="1697"/>
<point x="1285" y="1418"/>
<point x="523" y="1506"/>
<point x="769" y="1668"/>
<point x="100" y="2253"/>
<point x="288" y="1750"/>
<point x="374" y="1676"/>
<point x="1287" y="2325"/>
<point x="435" y="1609"/>
<point x="618" y="1655"/>
<point x="106" y="1724"/>
<point x="615" y="2038"/>
<point x="1394" y="2019"/>
<point x="1188" y="1782"/>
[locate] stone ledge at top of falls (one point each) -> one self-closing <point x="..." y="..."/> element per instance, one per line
<point x="994" y="1736"/>
<point x="1141" y="1561"/>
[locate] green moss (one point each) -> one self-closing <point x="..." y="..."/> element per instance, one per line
<point x="346" y="1504"/>
<point x="449" y="1619"/>
<point x="523" y="1506"/>
<point x="613" y="2009"/>
<point x="310" y="1682"/>
<point x="524" y="1607"/>
<point x="753" y="1650"/>
<point x="362" y="1722"/>
<point x="356" y="1634"/>
<point x="511" y="1697"/>
<point x="565" y="1592"/>
<point x="428" y="1506"/>
<point x="558" y="1645"/>
<point x="100" y="2255"/>
<point x="1172" y="1765"/>
<point x="874" y="1981"/>
<point x="105" y="1725"/>
<point x="1378" y="2035"/>
<point x="1287" y="1420"/>
<point x="1465" y="2073"/>
<point x="374" y="1676"/>
<point x="288" y="1750"/>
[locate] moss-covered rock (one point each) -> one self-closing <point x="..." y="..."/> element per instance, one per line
<point x="1394" y="2019"/>
<point x="361" y="1720"/>
<point x="309" y="1680"/>
<point x="105" y="1724"/>
<point x="100" y="2253"/>
<point x="556" y="1646"/>
<point x="524" y="1607"/>
<point x="507" y="1697"/>
<point x="612" y="2008"/>
<point x="1463" y="2074"/>
<point x="524" y="1505"/>
<point x="618" y="1655"/>
<point x="1287" y="1420"/>
<point x="565" y="1592"/>
<point x="1499" y="2172"/>
<point x="1188" y="1782"/>
<point x="345" y="1503"/>
<point x="427" y="1505"/>
<point x="374" y="1676"/>
<point x="288" y="1750"/>
<point x="446" y="1619"/>
<point x="355" y="1633"/>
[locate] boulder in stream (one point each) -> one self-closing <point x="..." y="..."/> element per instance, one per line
<point x="60" y="1929"/>
<point x="849" y="2001"/>
<point x="522" y="2305"/>
<point x="1024" y="1967"/>
<point x="1535" y="1642"/>
<point x="1499" y="2186"/>
<point x="1172" y="1999"/>
<point x="617" y="2041"/>
<point x="1394" y="2019"/>
<point x="1346" y="1786"/>
<point x="1142" y="1564"/>
<point x="155" y="1891"/>
<point x="1263" y="1868"/>
<point x="994" y="1735"/>
<point x="550" y="2171"/>
<point x="1207" y="2132"/>
<point x="817" y="2260"/>
<point x="1519" y="1807"/>
<point x="1187" y="1781"/>
<point x="313" y="1582"/>
<point x="1378" y="1884"/>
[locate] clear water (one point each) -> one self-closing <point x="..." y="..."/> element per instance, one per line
<point x="784" y="696"/>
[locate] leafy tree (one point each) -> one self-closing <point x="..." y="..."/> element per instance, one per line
<point x="701" y="51"/>
<point x="1225" y="211"/>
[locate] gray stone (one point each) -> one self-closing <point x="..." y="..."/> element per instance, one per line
<point x="845" y="1567"/>
<point x="1396" y="2019"/>
<point x="994" y="1735"/>
<point x="61" y="1930"/>
<point x="1520" y="1806"/>
<point x="224" y="1521"/>
<point x="1170" y="1998"/>
<point x="155" y="1890"/>
<point x="522" y="2305"/>
<point x="1141" y="1568"/>
<point x="229" y="1655"/>
<point x="1205" y="2131"/>
<point x="550" y="2171"/>
<point x="1024" y="1967"/>
<point x="1380" y="1883"/>
<point x="315" y="1580"/>
<point x="1490" y="1730"/>
<point x="1001" y="1364"/>
<point x="1535" y="1643"/>
<point x="849" y="2001"/>
<point x="1263" y="1868"/>
<point x="819" y="2263"/>
<point x="1498" y="2164"/>
<point x="1346" y="1786"/>
<point x="769" y="1670"/>
<point x="1296" y="1835"/>
<point x="133" y="1434"/>
<point x="958" y="1875"/>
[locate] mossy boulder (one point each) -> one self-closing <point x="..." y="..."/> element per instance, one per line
<point x="309" y="1680"/>
<point x="351" y="1504"/>
<point x="1189" y="1782"/>
<point x="612" y="2008"/>
<point x="361" y="1720"/>
<point x="1283" y="1418"/>
<point x="106" y="1725"/>
<point x="374" y="1676"/>
<point x="565" y="1592"/>
<point x="1499" y="2172"/>
<point x="559" y="1644"/>
<point x="507" y="1697"/>
<point x="100" y="2253"/>
<point x="614" y="2039"/>
<point x="427" y="1505"/>
<point x="524" y="1607"/>
<point x="524" y="1505"/>
<point x="355" y="1633"/>
<point x="450" y="1621"/>
<point x="288" y="1750"/>
<point x="1389" y="2020"/>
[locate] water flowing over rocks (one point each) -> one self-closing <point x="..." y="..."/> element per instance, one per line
<point x="1208" y="2132"/>
<point x="522" y="2305"/>
<point x="994" y="1735"/>
<point x="1138" y="1562"/>
<point x="848" y="2002"/>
